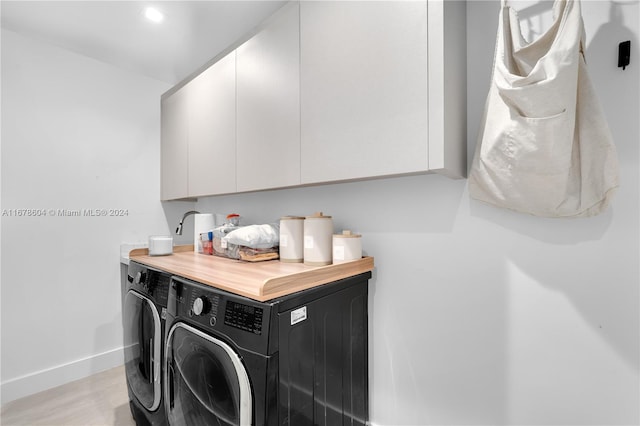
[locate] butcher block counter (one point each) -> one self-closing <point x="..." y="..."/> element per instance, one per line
<point x="256" y="280"/>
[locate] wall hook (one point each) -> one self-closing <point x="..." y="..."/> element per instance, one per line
<point x="624" y="53"/>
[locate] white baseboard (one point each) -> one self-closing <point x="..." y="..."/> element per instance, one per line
<point x="46" y="379"/>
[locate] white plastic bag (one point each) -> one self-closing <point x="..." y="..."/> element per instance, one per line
<point x="255" y="236"/>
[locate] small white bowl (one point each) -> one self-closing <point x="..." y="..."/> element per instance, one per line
<point x="160" y="245"/>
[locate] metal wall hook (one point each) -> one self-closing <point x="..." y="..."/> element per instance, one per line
<point x="624" y="53"/>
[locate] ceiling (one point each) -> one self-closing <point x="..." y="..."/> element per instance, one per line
<point x="117" y="32"/>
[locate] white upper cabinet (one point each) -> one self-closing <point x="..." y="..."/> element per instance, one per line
<point x="369" y="102"/>
<point x="324" y="91"/>
<point x="174" y="150"/>
<point x="198" y="148"/>
<point x="212" y="129"/>
<point x="268" y="96"/>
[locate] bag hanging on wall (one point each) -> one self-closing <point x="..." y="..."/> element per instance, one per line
<point x="544" y="146"/>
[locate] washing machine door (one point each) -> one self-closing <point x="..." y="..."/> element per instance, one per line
<point x="206" y="383"/>
<point x="142" y="349"/>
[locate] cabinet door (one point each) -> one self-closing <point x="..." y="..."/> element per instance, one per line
<point x="174" y="146"/>
<point x="363" y="89"/>
<point x="268" y="96"/>
<point x="212" y="130"/>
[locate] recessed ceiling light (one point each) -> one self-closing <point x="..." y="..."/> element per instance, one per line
<point x="153" y="14"/>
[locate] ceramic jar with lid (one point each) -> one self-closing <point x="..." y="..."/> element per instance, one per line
<point x="318" y="232"/>
<point x="346" y="246"/>
<point x="292" y="239"/>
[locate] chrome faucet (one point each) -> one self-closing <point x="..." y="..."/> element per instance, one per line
<point x="189" y="213"/>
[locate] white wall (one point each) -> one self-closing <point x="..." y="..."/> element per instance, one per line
<point x="484" y="316"/>
<point x="76" y="134"/>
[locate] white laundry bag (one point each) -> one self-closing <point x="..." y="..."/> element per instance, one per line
<point x="544" y="146"/>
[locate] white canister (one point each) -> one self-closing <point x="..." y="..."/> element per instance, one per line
<point x="346" y="247"/>
<point x="202" y="223"/>
<point x="318" y="232"/>
<point x="160" y="245"/>
<point x="292" y="239"/>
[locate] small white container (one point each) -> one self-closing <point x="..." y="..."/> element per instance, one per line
<point x="160" y="245"/>
<point x="318" y="231"/>
<point x="292" y="239"/>
<point x="346" y="247"/>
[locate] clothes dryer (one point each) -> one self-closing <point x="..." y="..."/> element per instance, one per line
<point x="144" y="313"/>
<point x="296" y="360"/>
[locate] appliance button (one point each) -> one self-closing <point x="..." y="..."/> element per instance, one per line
<point x="200" y="305"/>
<point x="140" y="278"/>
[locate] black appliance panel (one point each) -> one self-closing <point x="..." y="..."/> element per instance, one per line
<point x="235" y="318"/>
<point x="152" y="283"/>
<point x="323" y="363"/>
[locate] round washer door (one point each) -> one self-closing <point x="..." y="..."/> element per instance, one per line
<point x="142" y="349"/>
<point x="206" y="383"/>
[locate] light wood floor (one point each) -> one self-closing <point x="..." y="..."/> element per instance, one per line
<point x="98" y="400"/>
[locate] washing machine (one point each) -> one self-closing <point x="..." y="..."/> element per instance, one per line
<point x="297" y="360"/>
<point x="144" y="314"/>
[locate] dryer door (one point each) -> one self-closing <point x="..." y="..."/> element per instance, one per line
<point x="142" y="349"/>
<point x="206" y="381"/>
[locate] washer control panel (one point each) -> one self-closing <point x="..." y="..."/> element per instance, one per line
<point x="152" y="283"/>
<point x="237" y="319"/>
<point x="244" y="317"/>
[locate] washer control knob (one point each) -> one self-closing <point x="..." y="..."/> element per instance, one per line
<point x="200" y="305"/>
<point x="140" y="277"/>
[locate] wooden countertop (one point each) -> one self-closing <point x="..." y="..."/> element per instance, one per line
<point x="257" y="280"/>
